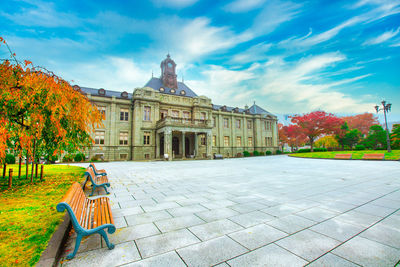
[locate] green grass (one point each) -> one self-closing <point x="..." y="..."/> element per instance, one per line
<point x="356" y="154"/>
<point x="28" y="215"/>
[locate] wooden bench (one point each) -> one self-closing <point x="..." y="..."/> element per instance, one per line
<point x="377" y="156"/>
<point x="88" y="216"/>
<point x="97" y="181"/>
<point x="96" y="171"/>
<point x="343" y="156"/>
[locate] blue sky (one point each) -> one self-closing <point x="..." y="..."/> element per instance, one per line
<point x="289" y="57"/>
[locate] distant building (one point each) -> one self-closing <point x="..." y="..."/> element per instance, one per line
<point x="167" y="117"/>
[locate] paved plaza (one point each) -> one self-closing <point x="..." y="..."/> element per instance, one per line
<point x="260" y="211"/>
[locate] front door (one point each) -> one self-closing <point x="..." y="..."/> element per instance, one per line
<point x="175" y="145"/>
<point x="162" y="146"/>
<point x="187" y="147"/>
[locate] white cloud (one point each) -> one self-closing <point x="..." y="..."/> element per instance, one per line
<point x="256" y="52"/>
<point x="239" y="6"/>
<point x="293" y="87"/>
<point x="382" y="38"/>
<point x="174" y="3"/>
<point x="273" y="14"/>
<point x="223" y="86"/>
<point x="42" y="14"/>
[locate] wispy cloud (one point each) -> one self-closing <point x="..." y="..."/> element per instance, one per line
<point x="239" y="6"/>
<point x="256" y="52"/>
<point x="42" y="14"/>
<point x="383" y="37"/>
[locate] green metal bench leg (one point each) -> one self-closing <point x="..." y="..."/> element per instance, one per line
<point x="104" y="235"/>
<point x="105" y="188"/>
<point x="77" y="244"/>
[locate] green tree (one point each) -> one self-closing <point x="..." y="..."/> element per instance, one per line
<point x="376" y="138"/>
<point x="395" y="136"/>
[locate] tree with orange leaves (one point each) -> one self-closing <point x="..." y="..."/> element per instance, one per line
<point x="317" y="123"/>
<point x="362" y="122"/>
<point x="39" y="111"/>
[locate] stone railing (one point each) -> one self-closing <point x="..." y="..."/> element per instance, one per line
<point x="183" y="122"/>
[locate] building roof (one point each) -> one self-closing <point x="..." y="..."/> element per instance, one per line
<point x="108" y="93"/>
<point x="254" y="109"/>
<point x="156" y="84"/>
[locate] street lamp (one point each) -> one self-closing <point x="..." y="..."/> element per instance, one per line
<point x="386" y="108"/>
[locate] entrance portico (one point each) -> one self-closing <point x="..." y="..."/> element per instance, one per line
<point x="192" y="140"/>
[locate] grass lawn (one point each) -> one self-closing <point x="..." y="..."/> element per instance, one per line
<point x="357" y="154"/>
<point x="28" y="215"/>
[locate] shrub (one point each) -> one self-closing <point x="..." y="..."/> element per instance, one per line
<point x="246" y="153"/>
<point x="79" y="157"/>
<point x="261" y="153"/>
<point x="360" y="147"/>
<point x="239" y="155"/>
<point x="303" y="150"/>
<point x="256" y="153"/>
<point x="268" y="152"/>
<point x="10" y="159"/>
<point x="68" y="158"/>
<point x="320" y="149"/>
<point x="278" y="152"/>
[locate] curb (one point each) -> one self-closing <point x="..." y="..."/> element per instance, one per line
<point x="345" y="159"/>
<point x="51" y="255"/>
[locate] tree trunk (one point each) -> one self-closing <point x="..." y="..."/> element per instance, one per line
<point x="19" y="167"/>
<point x="34" y="158"/>
<point x="312" y="144"/>
<point x="27" y="166"/>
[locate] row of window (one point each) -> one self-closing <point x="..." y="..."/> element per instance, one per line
<point x="123" y="139"/>
<point x="124" y="116"/>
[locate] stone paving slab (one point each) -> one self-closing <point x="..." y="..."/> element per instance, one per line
<point x="211" y="252"/>
<point x="261" y="211"/>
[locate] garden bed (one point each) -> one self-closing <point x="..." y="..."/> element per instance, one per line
<point x="356" y="154"/>
<point x="28" y="215"/>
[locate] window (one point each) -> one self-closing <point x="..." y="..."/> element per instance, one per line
<point x="123" y="156"/>
<point x="175" y="114"/>
<point x="203" y="139"/>
<point x="214" y="121"/>
<point x="102" y="110"/>
<point x="163" y="113"/>
<point x="124" y="114"/>
<point x="123" y="138"/>
<point x="265" y="125"/>
<point x="147" y="156"/>
<point x="250" y="141"/>
<point x="186" y="116"/>
<point x="268" y="141"/>
<point x="226" y="140"/>
<point x="226" y="123"/>
<point x="146" y="138"/>
<point x="214" y="140"/>
<point x="249" y="125"/>
<point x="146" y="113"/>
<point x="238" y="124"/>
<point x="202" y="116"/>
<point x="99" y="137"/>
<point x="238" y="141"/>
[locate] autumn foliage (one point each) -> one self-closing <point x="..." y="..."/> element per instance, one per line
<point x="362" y="122"/>
<point x="316" y="124"/>
<point x="39" y="111"/>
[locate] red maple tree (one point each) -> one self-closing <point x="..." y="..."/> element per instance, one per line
<point x="317" y="123"/>
<point x="362" y="122"/>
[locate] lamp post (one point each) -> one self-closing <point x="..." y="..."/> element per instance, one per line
<point x="386" y="108"/>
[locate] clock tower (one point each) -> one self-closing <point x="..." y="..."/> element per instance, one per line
<point x="168" y="75"/>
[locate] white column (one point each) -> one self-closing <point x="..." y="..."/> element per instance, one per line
<point x="183" y="145"/>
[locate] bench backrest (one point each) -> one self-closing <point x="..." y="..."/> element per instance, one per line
<point x="90" y="173"/>
<point x="374" y="156"/>
<point x="343" y="156"/>
<point x="94" y="167"/>
<point x="75" y="198"/>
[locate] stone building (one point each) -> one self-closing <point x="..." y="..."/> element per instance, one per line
<point x="165" y="118"/>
